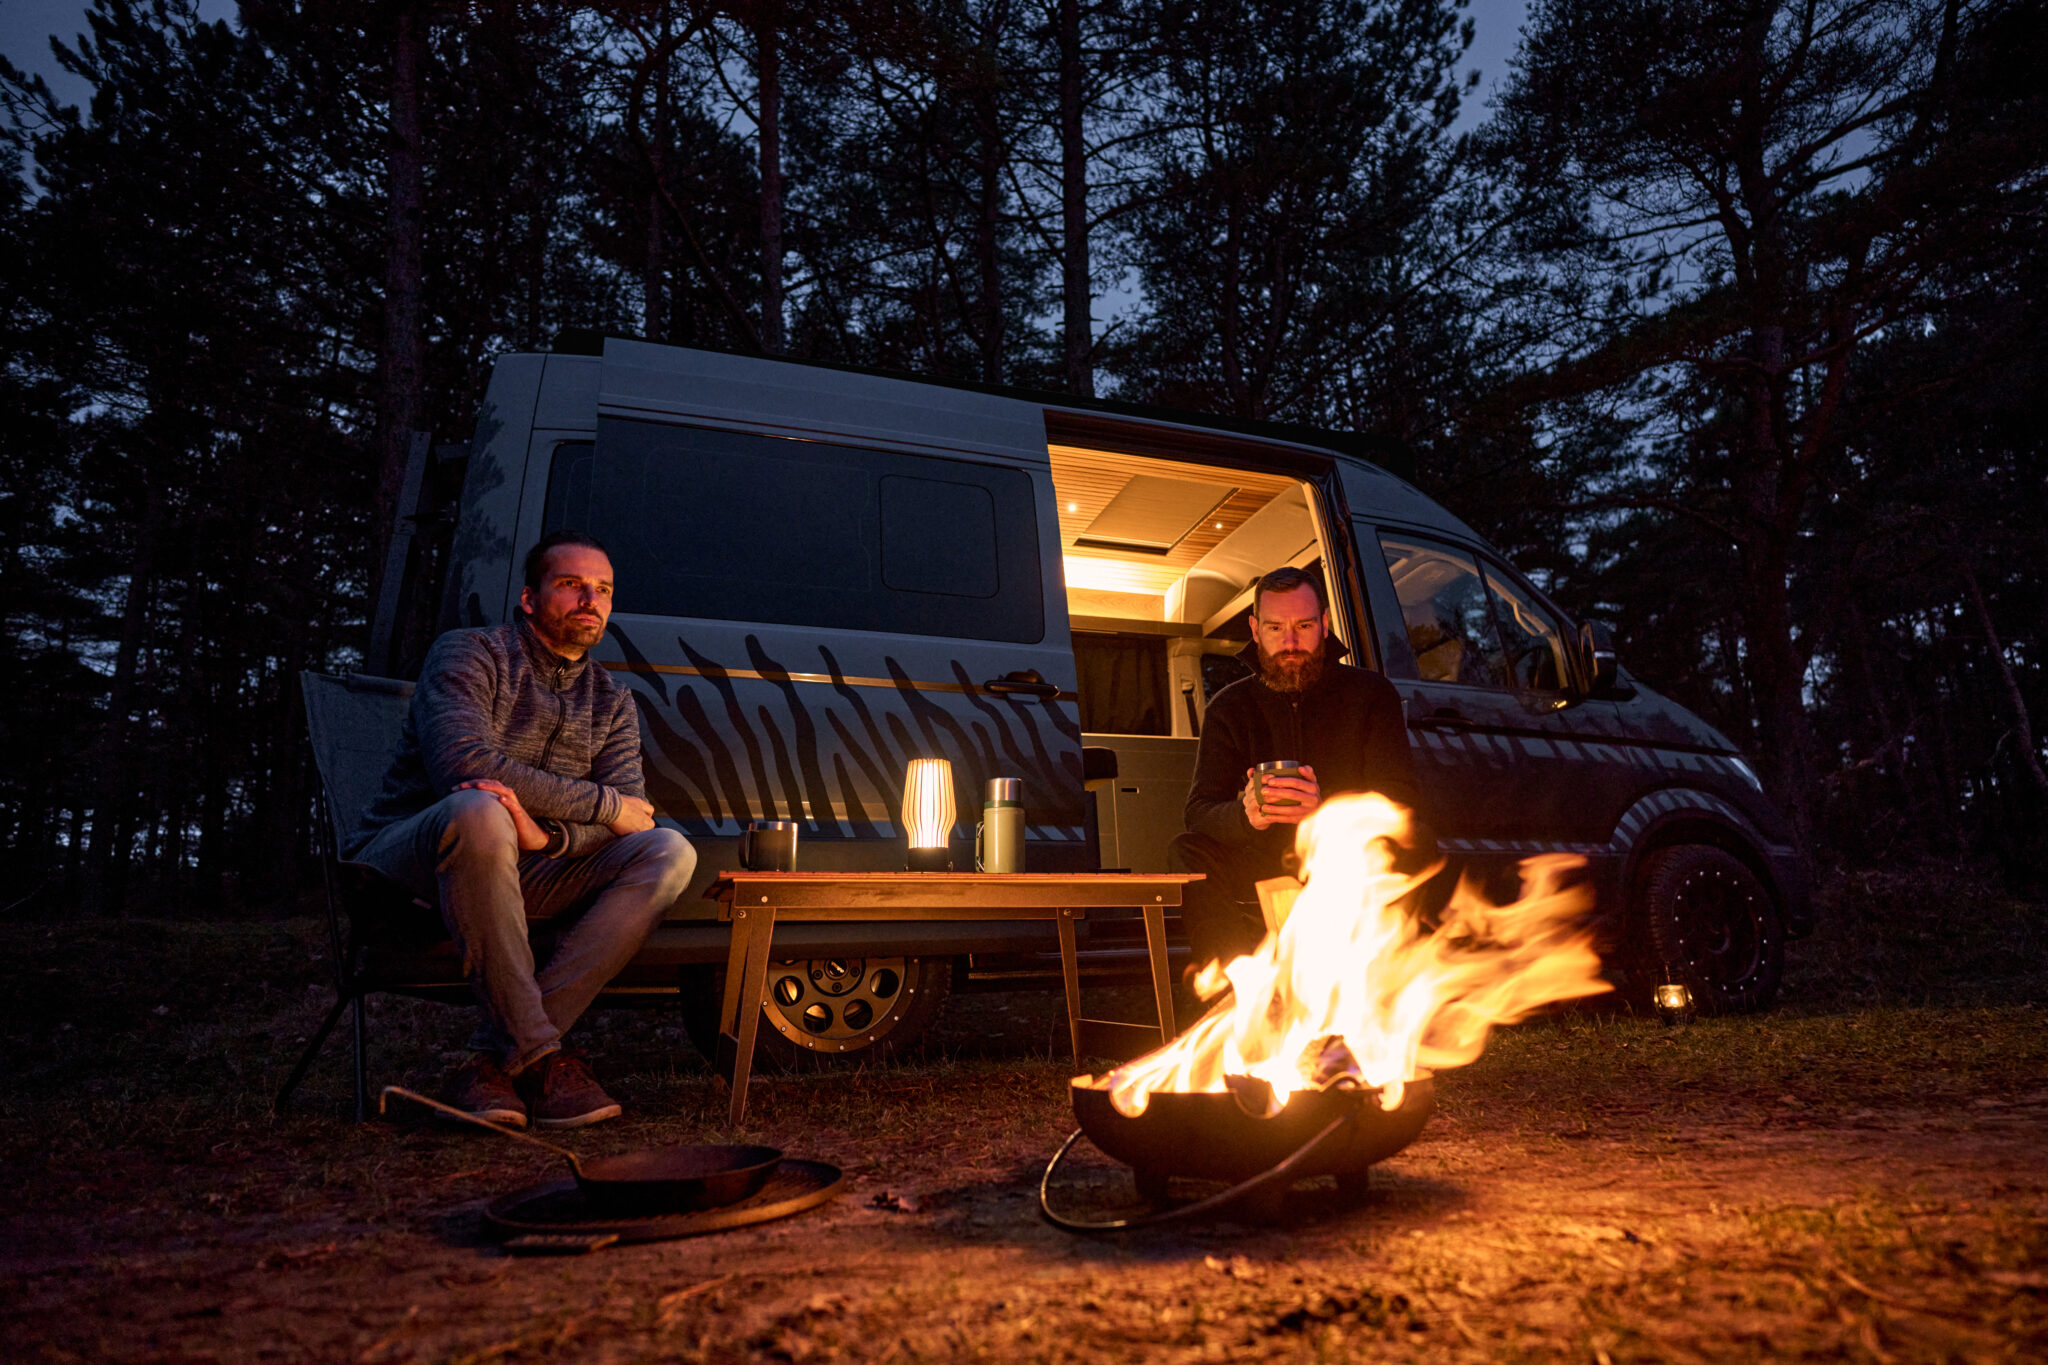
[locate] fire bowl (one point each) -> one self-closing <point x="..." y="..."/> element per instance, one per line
<point x="1211" y="1137"/>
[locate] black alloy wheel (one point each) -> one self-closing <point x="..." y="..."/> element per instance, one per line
<point x="825" y="1012"/>
<point x="1710" y="924"/>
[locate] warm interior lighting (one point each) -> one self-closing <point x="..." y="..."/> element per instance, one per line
<point x="1350" y="989"/>
<point x="1115" y="575"/>
<point x="928" y="813"/>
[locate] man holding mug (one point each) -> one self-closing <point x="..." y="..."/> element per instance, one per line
<point x="1342" y="729"/>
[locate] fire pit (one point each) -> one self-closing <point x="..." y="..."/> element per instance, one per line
<point x="1209" y="1136"/>
<point x="1317" y="1056"/>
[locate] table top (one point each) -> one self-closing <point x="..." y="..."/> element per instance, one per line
<point x="977" y="878"/>
<point x="929" y="895"/>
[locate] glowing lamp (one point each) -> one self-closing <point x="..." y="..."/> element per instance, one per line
<point x="1674" y="1003"/>
<point x="928" y="814"/>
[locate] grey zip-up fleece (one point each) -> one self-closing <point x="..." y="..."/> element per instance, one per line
<point x="498" y="703"/>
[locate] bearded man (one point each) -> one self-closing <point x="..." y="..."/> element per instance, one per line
<point x="1342" y="724"/>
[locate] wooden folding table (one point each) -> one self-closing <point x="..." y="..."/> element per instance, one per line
<point x="752" y="902"/>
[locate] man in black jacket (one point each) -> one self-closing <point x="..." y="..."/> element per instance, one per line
<point x="1342" y="724"/>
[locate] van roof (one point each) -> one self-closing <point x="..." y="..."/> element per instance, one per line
<point x="1389" y="453"/>
<point x="1385" y="463"/>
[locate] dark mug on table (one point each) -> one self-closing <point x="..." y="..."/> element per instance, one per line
<point x="769" y="846"/>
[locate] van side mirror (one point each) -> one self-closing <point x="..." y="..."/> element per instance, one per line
<point x="1596" y="658"/>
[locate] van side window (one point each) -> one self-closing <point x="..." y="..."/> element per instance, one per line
<point x="729" y="526"/>
<point x="1444" y="607"/>
<point x="1536" y="657"/>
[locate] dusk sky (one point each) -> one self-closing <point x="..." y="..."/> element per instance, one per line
<point x="26" y="26"/>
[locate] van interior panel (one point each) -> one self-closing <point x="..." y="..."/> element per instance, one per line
<point x="1128" y="557"/>
<point x="1159" y="557"/>
<point x="1151" y="515"/>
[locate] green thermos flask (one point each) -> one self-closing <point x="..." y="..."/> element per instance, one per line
<point x="999" y="838"/>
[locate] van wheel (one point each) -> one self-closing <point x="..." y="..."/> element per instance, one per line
<point x="1708" y="923"/>
<point x="825" y="1012"/>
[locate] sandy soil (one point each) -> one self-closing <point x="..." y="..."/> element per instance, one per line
<point x="1644" y="1221"/>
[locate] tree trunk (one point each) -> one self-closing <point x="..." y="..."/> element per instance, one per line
<point x="987" y="220"/>
<point x="1076" y="277"/>
<point x="2023" y="725"/>
<point x="113" y="767"/>
<point x="768" y="95"/>
<point x="1778" y="676"/>
<point x="654" y="269"/>
<point x="1231" y="329"/>
<point x="402" y="372"/>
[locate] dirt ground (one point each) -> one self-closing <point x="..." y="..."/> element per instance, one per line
<point x="1839" y="1182"/>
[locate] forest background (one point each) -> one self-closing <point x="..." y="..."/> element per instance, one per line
<point x="1726" y="321"/>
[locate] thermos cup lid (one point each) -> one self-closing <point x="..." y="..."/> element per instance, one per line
<point x="1000" y="789"/>
<point x="771" y="824"/>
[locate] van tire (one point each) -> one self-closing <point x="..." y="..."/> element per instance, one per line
<point x="1706" y="920"/>
<point x="803" y="1024"/>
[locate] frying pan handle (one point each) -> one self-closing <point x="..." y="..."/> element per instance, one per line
<point x="388" y="1091"/>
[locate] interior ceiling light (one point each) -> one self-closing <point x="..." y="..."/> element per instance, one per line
<point x="1149" y="515"/>
<point x="1107" y="575"/>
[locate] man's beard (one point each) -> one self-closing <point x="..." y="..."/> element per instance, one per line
<point x="1293" y="671"/>
<point x="576" y="631"/>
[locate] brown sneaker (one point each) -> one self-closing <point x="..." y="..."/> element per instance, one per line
<point x="481" y="1089"/>
<point x="560" y="1092"/>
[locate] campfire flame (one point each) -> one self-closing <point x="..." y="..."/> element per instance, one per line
<point x="1352" y="989"/>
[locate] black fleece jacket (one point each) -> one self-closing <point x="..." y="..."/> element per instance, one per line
<point x="1348" y="727"/>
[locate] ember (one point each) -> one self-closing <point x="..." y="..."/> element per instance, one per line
<point x="1349" y="989"/>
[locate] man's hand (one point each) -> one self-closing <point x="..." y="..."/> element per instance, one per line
<point x="532" y="838"/>
<point x="635" y="814"/>
<point x="1299" y="788"/>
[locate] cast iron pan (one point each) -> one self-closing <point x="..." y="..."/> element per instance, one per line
<point x="663" y="1180"/>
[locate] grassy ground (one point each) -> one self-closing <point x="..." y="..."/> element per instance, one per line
<point x="1858" y="1174"/>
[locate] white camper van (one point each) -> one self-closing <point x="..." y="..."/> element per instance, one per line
<point x="824" y="573"/>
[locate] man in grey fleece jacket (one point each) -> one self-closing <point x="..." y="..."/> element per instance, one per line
<point x="516" y="795"/>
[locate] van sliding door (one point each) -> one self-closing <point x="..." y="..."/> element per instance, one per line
<point x="822" y="576"/>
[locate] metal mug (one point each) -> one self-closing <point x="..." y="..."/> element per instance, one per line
<point x="999" y="838"/>
<point x="769" y="846"/>
<point x="1278" y="767"/>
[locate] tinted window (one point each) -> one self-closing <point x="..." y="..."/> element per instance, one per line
<point x="938" y="536"/>
<point x="727" y="526"/>
<point x="1444" y="607"/>
<point x="1536" y="658"/>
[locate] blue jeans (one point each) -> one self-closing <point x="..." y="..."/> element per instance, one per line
<point x="462" y="854"/>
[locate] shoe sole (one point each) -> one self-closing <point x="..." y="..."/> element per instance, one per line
<point x="598" y="1115"/>
<point x="504" y="1118"/>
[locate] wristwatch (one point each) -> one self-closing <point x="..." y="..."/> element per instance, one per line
<point x="558" y="838"/>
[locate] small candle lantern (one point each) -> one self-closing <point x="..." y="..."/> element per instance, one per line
<point x="1674" y="1003"/>
<point x="928" y="814"/>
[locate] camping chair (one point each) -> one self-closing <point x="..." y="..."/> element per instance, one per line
<point x="383" y="938"/>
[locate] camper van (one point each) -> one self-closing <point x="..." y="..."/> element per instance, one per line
<point x="824" y="573"/>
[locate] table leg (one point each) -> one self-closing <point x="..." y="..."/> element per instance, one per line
<point x="1070" y="968"/>
<point x="1162" y="984"/>
<point x="735" y="972"/>
<point x="760" y="935"/>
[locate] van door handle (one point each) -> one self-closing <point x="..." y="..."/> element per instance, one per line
<point x="1443" y="718"/>
<point x="1025" y="682"/>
